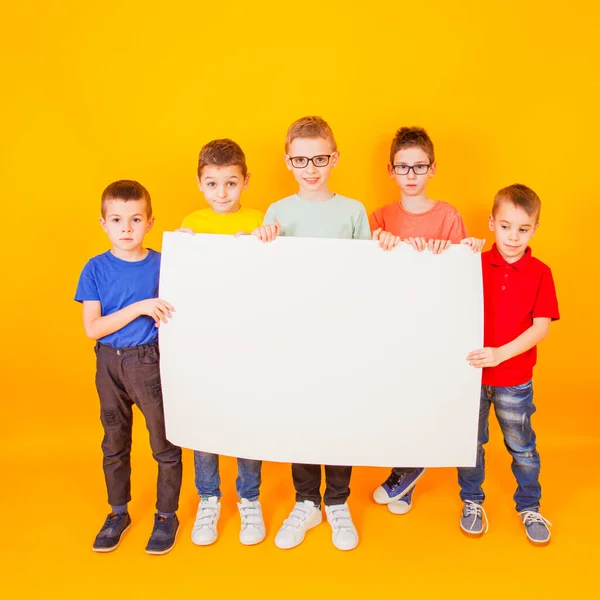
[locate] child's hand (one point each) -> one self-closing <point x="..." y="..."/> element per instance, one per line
<point x="485" y="357"/>
<point x="185" y="230"/>
<point x="387" y="240"/>
<point x="474" y="243"/>
<point x="438" y="246"/>
<point x="267" y="233"/>
<point x="418" y="243"/>
<point x="239" y="233"/>
<point x="156" y="308"/>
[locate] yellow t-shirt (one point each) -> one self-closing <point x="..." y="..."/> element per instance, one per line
<point x="245" y="220"/>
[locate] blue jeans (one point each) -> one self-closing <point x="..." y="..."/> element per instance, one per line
<point x="208" y="480"/>
<point x="513" y="407"/>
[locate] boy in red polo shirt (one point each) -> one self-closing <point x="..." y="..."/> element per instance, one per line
<point x="519" y="305"/>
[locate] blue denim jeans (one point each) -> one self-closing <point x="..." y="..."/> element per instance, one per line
<point x="513" y="407"/>
<point x="208" y="480"/>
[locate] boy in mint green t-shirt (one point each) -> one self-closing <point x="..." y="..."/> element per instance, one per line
<point x="315" y="211"/>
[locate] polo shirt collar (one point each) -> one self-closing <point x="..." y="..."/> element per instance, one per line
<point x="497" y="260"/>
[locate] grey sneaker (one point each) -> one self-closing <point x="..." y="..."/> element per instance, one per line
<point x="109" y="537"/>
<point x="473" y="518"/>
<point x="536" y="527"/>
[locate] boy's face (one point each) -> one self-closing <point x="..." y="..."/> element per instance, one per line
<point x="412" y="184"/>
<point x="514" y="228"/>
<point x="126" y="223"/>
<point x="312" y="178"/>
<point x="222" y="187"/>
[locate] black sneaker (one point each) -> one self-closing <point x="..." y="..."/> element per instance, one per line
<point x="114" y="527"/>
<point x="163" y="535"/>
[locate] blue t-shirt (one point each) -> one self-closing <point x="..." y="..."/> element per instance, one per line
<point x="116" y="284"/>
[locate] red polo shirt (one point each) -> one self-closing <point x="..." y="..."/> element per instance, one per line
<point x="513" y="295"/>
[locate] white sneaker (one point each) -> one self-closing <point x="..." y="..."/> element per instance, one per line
<point x="344" y="536"/>
<point x="253" y="526"/>
<point x="305" y="516"/>
<point x="204" y="532"/>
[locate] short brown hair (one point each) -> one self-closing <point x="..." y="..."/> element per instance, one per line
<point x="309" y="127"/>
<point x="412" y="137"/>
<point x="126" y="189"/>
<point x="222" y="153"/>
<point x="522" y="197"/>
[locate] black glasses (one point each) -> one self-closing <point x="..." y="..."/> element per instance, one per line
<point x="419" y="169"/>
<point x="299" y="162"/>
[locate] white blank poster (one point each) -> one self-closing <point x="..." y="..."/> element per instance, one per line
<point x="321" y="351"/>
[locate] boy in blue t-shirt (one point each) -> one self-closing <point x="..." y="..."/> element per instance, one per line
<point x="121" y="312"/>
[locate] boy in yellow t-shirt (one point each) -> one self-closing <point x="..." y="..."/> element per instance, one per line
<point x="222" y="177"/>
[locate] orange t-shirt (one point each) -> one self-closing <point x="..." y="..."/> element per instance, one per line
<point x="442" y="222"/>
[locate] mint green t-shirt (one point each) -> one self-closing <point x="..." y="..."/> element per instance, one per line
<point x="338" y="217"/>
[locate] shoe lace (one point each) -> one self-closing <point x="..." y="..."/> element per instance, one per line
<point x="298" y="515"/>
<point x="161" y="523"/>
<point x="339" y="518"/>
<point x="393" y="480"/>
<point x="472" y="509"/>
<point x="112" y="520"/>
<point x="532" y="516"/>
<point x="250" y="515"/>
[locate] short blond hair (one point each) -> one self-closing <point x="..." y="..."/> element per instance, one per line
<point x="520" y="196"/>
<point x="309" y="127"/>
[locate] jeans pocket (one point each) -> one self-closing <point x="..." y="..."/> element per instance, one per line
<point x="149" y="355"/>
<point x="522" y="388"/>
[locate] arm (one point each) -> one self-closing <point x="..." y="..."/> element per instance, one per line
<point x="491" y="357"/>
<point x="362" y="231"/>
<point x="458" y="230"/>
<point x="97" y="326"/>
<point x="376" y="221"/>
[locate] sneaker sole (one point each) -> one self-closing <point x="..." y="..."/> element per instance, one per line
<point x="389" y="507"/>
<point x="204" y="543"/>
<point x="262" y="539"/>
<point x="307" y="529"/>
<point x="159" y="552"/>
<point x="115" y="546"/>
<point x="472" y="534"/>
<point x="389" y="500"/>
<point x="345" y="549"/>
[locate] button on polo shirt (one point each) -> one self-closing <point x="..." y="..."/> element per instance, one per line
<point x="514" y="295"/>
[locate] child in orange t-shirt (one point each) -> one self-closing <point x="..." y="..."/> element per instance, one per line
<point x="425" y="224"/>
<point x="415" y="218"/>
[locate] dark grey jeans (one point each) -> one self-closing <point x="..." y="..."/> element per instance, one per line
<point x="123" y="378"/>
<point x="307" y="482"/>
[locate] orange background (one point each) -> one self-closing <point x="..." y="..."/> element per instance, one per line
<point x="509" y="92"/>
